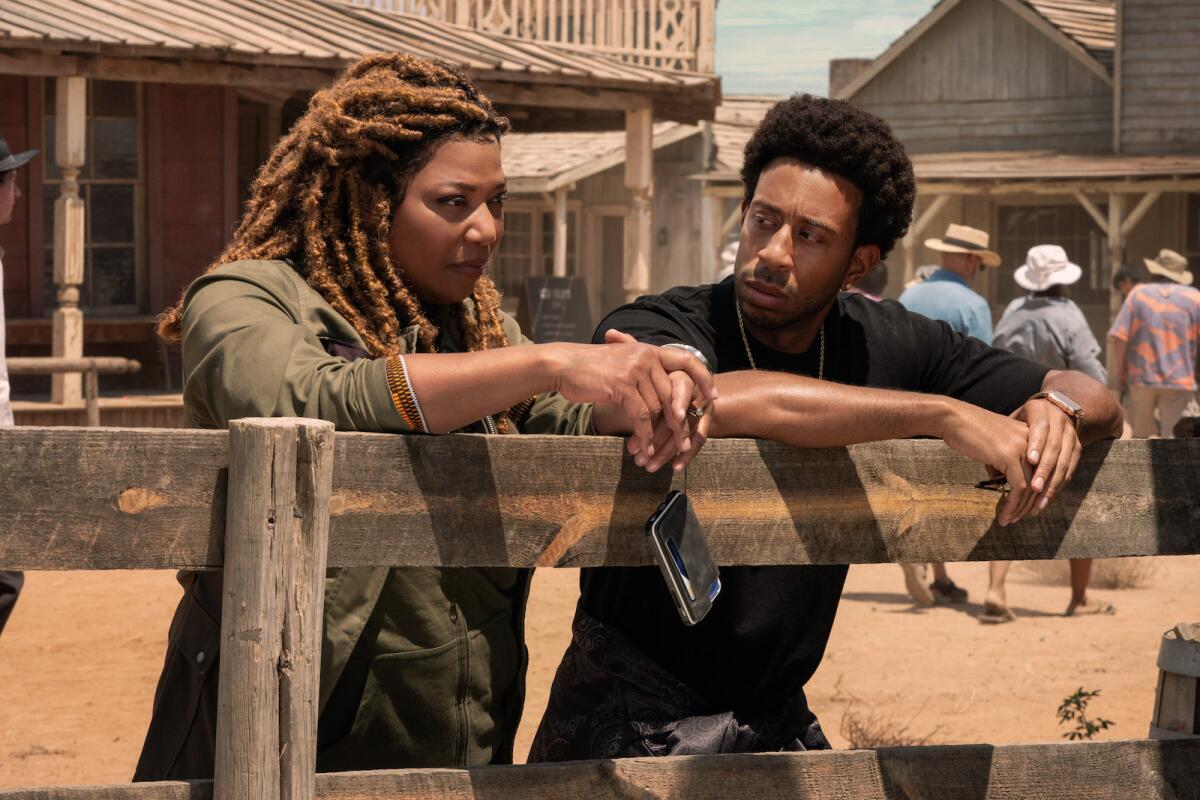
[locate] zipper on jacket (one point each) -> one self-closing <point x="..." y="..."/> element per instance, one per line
<point x="489" y="425"/>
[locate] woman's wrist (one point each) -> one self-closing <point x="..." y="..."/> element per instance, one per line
<point x="550" y="364"/>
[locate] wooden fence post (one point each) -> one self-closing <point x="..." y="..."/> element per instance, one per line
<point x="304" y="591"/>
<point x="1177" y="698"/>
<point x="276" y="535"/>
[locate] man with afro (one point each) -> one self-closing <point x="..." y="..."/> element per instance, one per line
<point x="801" y="360"/>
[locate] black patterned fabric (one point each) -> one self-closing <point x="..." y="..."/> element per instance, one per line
<point x="609" y="700"/>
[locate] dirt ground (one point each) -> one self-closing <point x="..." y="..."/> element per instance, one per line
<point x="82" y="652"/>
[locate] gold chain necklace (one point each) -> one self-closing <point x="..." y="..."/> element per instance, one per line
<point x="737" y="304"/>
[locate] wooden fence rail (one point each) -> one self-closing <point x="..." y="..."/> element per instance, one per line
<point x="153" y="499"/>
<point x="91" y="367"/>
<point x="273" y="501"/>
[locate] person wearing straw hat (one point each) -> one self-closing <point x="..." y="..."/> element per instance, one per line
<point x="1155" y="345"/>
<point x="946" y="295"/>
<point x="10" y="582"/>
<point x="1047" y="327"/>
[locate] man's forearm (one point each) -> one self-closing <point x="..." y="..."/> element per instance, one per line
<point x="1102" y="417"/>
<point x="805" y="412"/>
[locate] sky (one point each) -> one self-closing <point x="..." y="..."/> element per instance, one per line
<point x="784" y="46"/>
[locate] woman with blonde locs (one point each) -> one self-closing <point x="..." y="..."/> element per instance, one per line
<point x="354" y="291"/>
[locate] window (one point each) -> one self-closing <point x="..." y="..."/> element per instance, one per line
<point x="528" y="248"/>
<point x="515" y="255"/>
<point x="110" y="185"/>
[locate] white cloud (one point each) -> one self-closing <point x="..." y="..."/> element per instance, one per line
<point x="781" y="46"/>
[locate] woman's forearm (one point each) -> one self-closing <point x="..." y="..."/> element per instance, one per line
<point x="455" y="389"/>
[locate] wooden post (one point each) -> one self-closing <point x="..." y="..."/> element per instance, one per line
<point x="300" y="662"/>
<point x="1139" y="211"/>
<point x="1116" y="247"/>
<point x="462" y="14"/>
<point x="909" y="244"/>
<point x="706" y="41"/>
<point x="639" y="180"/>
<point x="91" y="395"/>
<point x="1177" y="697"/>
<point x="710" y="244"/>
<point x="69" y="151"/>
<point x="560" y="231"/>
<point x="1093" y="212"/>
<point x="276" y="534"/>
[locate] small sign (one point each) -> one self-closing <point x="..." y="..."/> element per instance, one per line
<point x="554" y="309"/>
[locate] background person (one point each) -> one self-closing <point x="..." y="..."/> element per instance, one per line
<point x="354" y="292"/>
<point x="10" y="582"/>
<point x="1155" y="341"/>
<point x="1127" y="277"/>
<point x="1047" y="327"/>
<point x="947" y="295"/>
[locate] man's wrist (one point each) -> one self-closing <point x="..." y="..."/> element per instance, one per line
<point x="1064" y="404"/>
<point x="938" y="416"/>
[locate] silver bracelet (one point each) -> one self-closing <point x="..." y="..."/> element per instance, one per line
<point x="689" y="349"/>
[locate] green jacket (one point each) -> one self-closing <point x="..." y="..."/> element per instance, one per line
<point x="419" y="666"/>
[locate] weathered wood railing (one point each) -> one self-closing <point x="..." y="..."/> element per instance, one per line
<point x="91" y="367"/>
<point x="675" y="34"/>
<point x="273" y="501"/>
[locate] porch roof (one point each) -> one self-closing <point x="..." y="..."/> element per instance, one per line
<point x="303" y="44"/>
<point x="544" y="162"/>
<point x="1037" y="171"/>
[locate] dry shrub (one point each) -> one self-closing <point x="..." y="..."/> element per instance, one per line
<point x="869" y="730"/>
<point x="1107" y="573"/>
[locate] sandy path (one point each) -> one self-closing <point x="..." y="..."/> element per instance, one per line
<point x="80" y="657"/>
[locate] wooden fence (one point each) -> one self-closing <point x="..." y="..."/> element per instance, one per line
<point x="91" y="367"/>
<point x="273" y="502"/>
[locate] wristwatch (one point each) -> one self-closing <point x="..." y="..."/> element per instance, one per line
<point x="1064" y="404"/>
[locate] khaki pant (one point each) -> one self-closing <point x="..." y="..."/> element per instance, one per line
<point x="1169" y="402"/>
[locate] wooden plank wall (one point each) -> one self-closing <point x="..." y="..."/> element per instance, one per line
<point x="1160" y="76"/>
<point x="982" y="78"/>
<point x="190" y="185"/>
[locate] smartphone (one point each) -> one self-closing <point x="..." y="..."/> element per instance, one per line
<point x="682" y="554"/>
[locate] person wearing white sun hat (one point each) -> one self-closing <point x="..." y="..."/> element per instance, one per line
<point x="1047" y="327"/>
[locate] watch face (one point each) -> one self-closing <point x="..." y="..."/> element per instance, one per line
<point x="1065" y="402"/>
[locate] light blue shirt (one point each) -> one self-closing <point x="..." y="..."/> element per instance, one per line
<point x="945" y="295"/>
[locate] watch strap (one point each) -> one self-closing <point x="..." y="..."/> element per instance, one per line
<point x="1063" y="404"/>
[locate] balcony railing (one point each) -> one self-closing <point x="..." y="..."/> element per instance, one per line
<point x="675" y="34"/>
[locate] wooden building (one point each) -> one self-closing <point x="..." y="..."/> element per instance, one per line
<point x="1074" y="122"/>
<point x="152" y="118"/>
